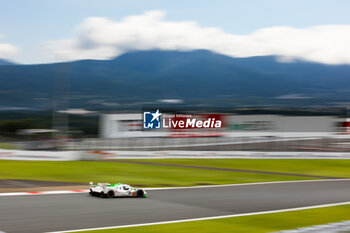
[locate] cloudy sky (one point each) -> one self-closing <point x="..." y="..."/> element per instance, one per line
<point x="41" y="31"/>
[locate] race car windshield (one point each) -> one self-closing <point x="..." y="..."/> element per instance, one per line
<point x="126" y="188"/>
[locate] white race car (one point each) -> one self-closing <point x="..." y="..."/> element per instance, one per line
<point x="115" y="190"/>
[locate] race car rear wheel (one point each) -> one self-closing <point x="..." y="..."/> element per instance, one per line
<point x="110" y="194"/>
<point x="139" y="193"/>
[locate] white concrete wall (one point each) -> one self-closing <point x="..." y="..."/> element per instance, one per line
<point x="238" y="125"/>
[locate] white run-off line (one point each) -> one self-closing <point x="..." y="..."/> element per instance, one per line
<point x="222" y="154"/>
<point x="207" y="218"/>
<point x="166" y="188"/>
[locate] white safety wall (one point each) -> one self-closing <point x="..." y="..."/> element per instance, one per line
<point x="130" y="125"/>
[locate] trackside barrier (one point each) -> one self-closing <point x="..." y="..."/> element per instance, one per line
<point x="108" y="155"/>
<point x="40" y="155"/>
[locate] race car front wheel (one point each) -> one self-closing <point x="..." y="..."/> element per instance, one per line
<point x="139" y="193"/>
<point x="110" y="194"/>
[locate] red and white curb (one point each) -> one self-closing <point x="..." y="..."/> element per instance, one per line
<point x="44" y="192"/>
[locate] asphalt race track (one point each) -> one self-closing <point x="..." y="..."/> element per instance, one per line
<point x="45" y="213"/>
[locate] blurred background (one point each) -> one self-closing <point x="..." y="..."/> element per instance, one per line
<point x="265" y="104"/>
<point x="76" y="77"/>
<point x="279" y="78"/>
<point x="273" y="74"/>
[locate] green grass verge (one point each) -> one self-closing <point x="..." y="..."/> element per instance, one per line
<point x="254" y="223"/>
<point x="319" y="167"/>
<point x="136" y="174"/>
<point x="155" y="176"/>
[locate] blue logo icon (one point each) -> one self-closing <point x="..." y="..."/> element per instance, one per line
<point x="152" y="120"/>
